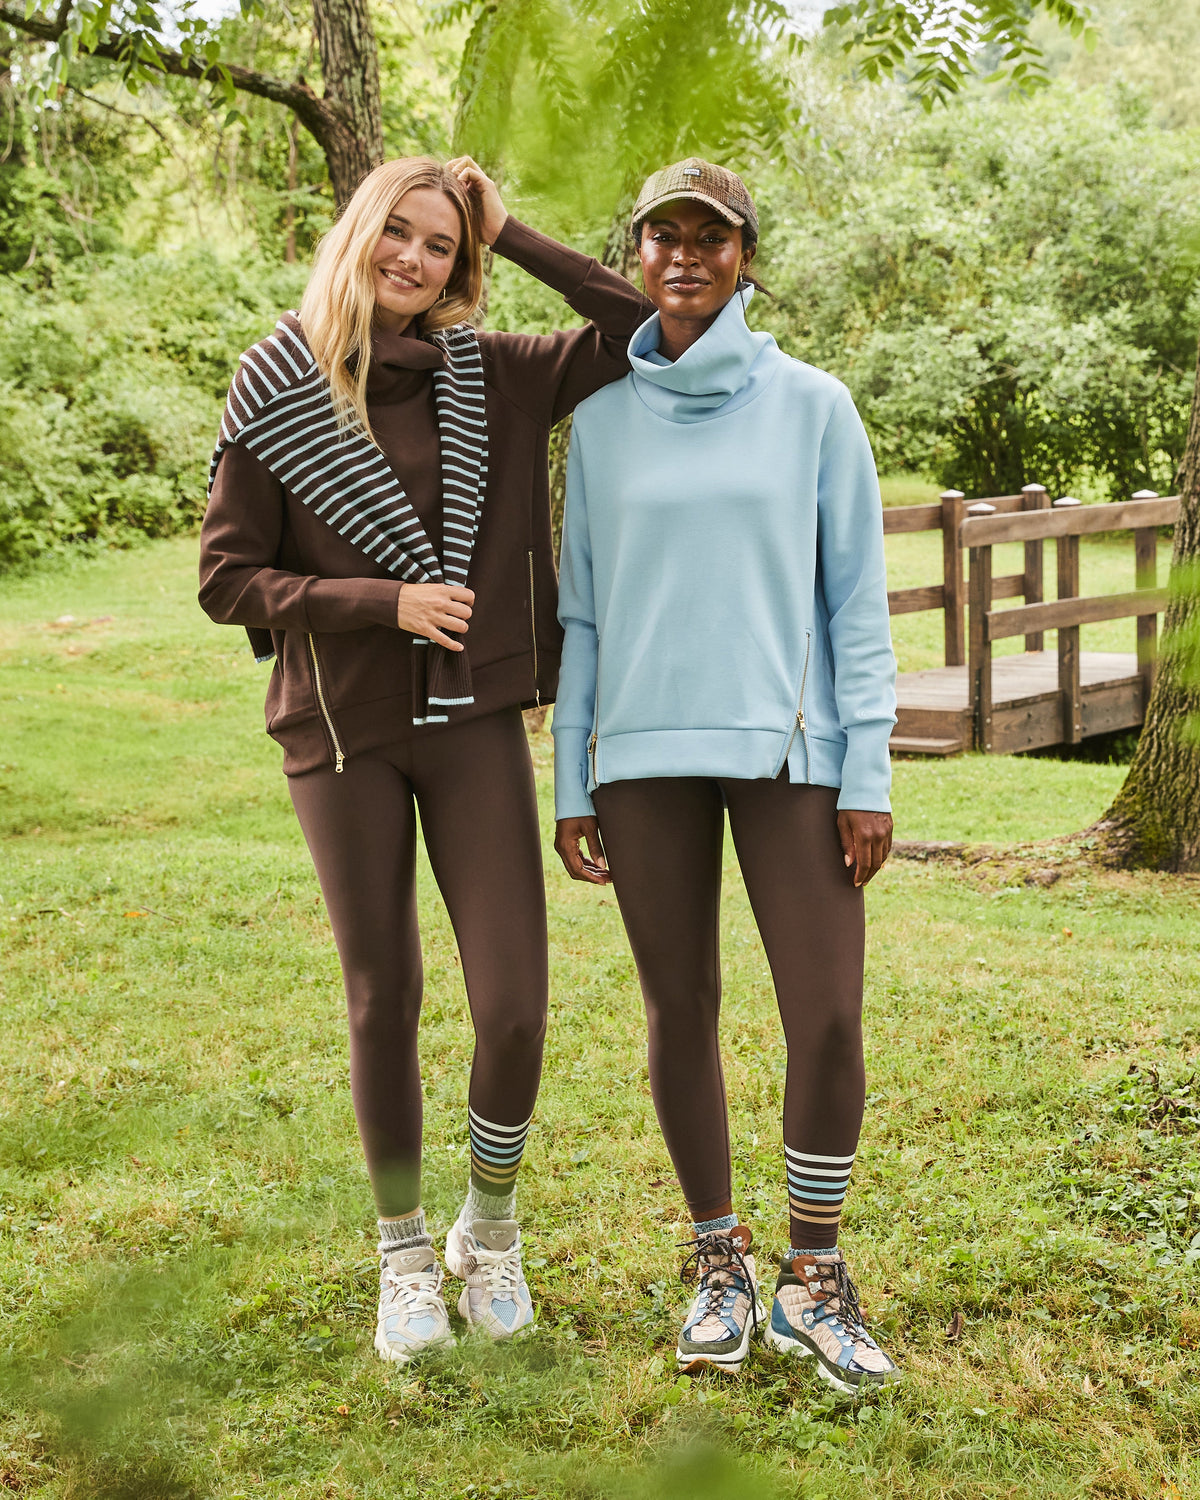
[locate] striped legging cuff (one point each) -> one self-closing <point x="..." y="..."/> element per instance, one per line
<point x="496" y="1152"/>
<point x="817" y="1185"/>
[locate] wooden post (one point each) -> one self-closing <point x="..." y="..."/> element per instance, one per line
<point x="979" y="666"/>
<point x="955" y="597"/>
<point x="1145" y="551"/>
<point x="1036" y="498"/>
<point x="1068" y="636"/>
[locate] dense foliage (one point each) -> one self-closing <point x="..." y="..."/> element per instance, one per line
<point x="1008" y="286"/>
<point x="111" y="386"/>
<point x="1009" y="289"/>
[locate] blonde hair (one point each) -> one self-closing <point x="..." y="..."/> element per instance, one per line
<point x="338" y="305"/>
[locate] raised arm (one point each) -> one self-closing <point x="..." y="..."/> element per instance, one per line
<point x="548" y="375"/>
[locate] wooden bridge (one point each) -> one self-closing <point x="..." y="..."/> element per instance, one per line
<point x="1042" y="697"/>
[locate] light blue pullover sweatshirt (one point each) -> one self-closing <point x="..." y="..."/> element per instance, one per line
<point x="722" y="587"/>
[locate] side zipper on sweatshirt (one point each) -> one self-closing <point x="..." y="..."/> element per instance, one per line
<point x="799" y="726"/>
<point x="324" y="707"/>
<point x="537" y="696"/>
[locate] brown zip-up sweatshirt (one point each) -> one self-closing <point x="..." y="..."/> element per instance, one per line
<point x="342" y="678"/>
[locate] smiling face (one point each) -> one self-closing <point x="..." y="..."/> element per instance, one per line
<point x="691" y="260"/>
<point x="415" y="256"/>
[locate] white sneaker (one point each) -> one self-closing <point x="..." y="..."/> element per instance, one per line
<point x="412" y="1314"/>
<point x="487" y="1255"/>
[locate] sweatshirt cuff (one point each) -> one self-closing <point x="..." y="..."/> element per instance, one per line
<point x="571" y="799"/>
<point x="867" y="769"/>
<point x="558" y="266"/>
<point x="352" y="603"/>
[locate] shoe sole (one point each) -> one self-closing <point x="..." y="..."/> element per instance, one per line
<point x="394" y="1357"/>
<point x="798" y="1349"/>
<point x="731" y="1361"/>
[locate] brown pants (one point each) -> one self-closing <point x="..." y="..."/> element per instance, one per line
<point x="663" y="839"/>
<point x="473" y="786"/>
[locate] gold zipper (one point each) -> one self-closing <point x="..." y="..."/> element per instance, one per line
<point x="800" y="725"/>
<point x="537" y="696"/>
<point x="592" y="756"/>
<point x="324" y="707"/>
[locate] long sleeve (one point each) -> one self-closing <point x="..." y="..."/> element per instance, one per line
<point x="548" y="375"/>
<point x="575" y="709"/>
<point x="239" y="545"/>
<point x="850" y="560"/>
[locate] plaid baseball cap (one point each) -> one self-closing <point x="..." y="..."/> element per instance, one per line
<point x="702" y="180"/>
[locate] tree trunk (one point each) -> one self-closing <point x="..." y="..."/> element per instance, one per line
<point x="347" y="123"/>
<point x="1155" y="821"/>
<point x="350" y="67"/>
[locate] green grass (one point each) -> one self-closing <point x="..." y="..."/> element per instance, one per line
<point x="186" y="1258"/>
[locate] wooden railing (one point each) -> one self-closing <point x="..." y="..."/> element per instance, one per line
<point x="950" y="595"/>
<point x="1066" y="521"/>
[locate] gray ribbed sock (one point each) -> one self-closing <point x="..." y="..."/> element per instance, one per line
<point x="403" y="1234"/>
<point x="487" y="1205"/>
<point x="706" y="1226"/>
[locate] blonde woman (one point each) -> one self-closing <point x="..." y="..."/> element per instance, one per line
<point x="379" y="521"/>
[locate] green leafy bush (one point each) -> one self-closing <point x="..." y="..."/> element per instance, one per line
<point x="111" y="387"/>
<point x="1009" y="289"/>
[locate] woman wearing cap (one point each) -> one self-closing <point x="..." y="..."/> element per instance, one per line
<point x="377" y="456"/>
<point x="727" y="646"/>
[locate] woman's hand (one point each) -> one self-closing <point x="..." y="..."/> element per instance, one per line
<point x="430" y="609"/>
<point x="866" y="842"/>
<point x="492" y="212"/>
<point x="568" y="837"/>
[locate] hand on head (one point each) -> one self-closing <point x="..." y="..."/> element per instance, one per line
<point x="492" y="212"/>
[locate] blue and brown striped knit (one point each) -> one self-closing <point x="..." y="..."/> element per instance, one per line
<point x="496" y="1152"/>
<point x="816" y="1190"/>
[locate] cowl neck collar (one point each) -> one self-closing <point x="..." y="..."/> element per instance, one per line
<point x="728" y="366"/>
<point x="405" y="351"/>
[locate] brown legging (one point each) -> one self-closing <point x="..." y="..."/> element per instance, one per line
<point x="473" y="786"/>
<point x="663" y="841"/>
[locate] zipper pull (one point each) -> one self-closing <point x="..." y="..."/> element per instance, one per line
<point x="800" y="720"/>
<point x="592" y="755"/>
<point x="340" y="758"/>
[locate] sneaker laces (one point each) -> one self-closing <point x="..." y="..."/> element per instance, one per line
<point x="500" y="1269"/>
<point x="416" y="1293"/>
<point x="843" y="1302"/>
<point x="701" y="1264"/>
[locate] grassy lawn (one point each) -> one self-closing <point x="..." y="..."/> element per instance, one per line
<point x="186" y="1241"/>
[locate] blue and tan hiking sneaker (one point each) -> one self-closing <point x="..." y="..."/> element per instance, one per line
<point x="412" y="1314"/>
<point x="726" y="1311"/>
<point x="487" y="1255"/>
<point x="816" y="1311"/>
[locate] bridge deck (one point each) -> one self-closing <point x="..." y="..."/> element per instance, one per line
<point x="934" y="717"/>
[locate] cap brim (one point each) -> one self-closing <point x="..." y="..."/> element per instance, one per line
<point x="643" y="212"/>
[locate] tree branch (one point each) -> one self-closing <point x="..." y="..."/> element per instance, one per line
<point x="315" y="114"/>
